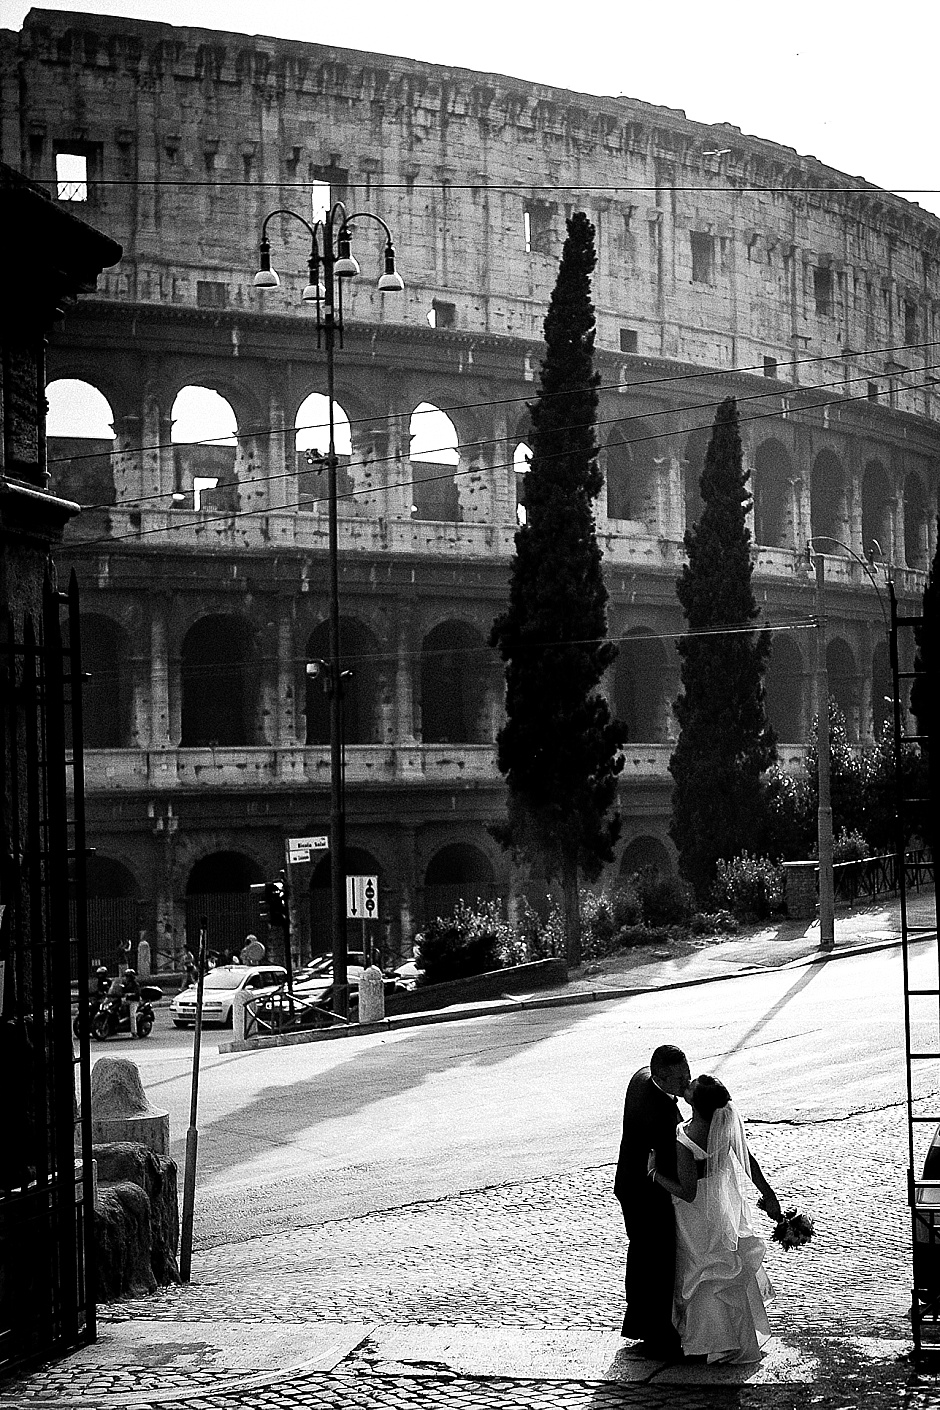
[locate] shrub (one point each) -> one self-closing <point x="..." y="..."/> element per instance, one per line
<point x="471" y="941"/>
<point x="749" y="886"/>
<point x="663" y="899"/>
<point x="542" y="939"/>
<point x="713" y="923"/>
<point x="849" y="847"/>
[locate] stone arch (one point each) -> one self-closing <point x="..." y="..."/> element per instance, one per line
<point x="435" y="455"/>
<point x="645" y="852"/>
<point x="784" y="686"/>
<point x="362" y="689"/>
<point x="843" y="682"/>
<point x="772" y="491"/>
<point x="632" y="459"/>
<point x="107" y="697"/>
<point x="882" y="688"/>
<point x="218" y="887"/>
<point x="642" y="688"/>
<point x="693" y="463"/>
<point x="521" y="460"/>
<point x="80" y="441"/>
<point x="458" y="871"/>
<point x="312" y="433"/>
<point x="455" y="671"/>
<point x="916" y="523"/>
<point x="219" y="682"/>
<point x="829" y="516"/>
<point x="876" y="508"/>
<point x="204" y="432"/>
<point x="107" y="877"/>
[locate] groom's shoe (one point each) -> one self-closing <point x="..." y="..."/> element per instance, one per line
<point x="656" y="1351"/>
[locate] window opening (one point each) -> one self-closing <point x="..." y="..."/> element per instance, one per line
<point x="628" y="340"/>
<point x="770" y="367"/>
<point x="910" y="322"/>
<point x="703" y="257"/>
<point x="71" y="170"/>
<point x="822" y="290"/>
<point x="538" y="227"/>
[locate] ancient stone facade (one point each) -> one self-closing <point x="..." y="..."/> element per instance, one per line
<point x="727" y="264"/>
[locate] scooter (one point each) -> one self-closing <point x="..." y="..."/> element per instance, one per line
<point x="114" y="1015"/>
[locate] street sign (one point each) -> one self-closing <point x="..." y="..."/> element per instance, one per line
<point x="362" y="897"/>
<point x="299" y="848"/>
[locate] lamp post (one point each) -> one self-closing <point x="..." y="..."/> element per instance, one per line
<point x="330" y="262"/>
<point x="824" y="814"/>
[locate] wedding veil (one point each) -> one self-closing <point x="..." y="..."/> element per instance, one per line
<point x="728" y="1164"/>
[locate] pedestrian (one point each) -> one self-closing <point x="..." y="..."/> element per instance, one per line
<point x="188" y="967"/>
<point x="721" y="1286"/>
<point x="252" y="952"/>
<point x="131" y="990"/>
<point x="650" y="1118"/>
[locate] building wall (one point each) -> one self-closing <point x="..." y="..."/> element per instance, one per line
<point x="759" y="273"/>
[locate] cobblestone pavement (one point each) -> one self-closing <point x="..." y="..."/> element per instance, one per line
<point x="541" y="1254"/>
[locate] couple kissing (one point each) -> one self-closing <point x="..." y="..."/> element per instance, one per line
<point x="695" y="1282"/>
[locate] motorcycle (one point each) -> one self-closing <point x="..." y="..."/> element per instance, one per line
<point x="114" y="1015"/>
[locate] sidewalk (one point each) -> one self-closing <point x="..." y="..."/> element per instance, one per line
<point x="508" y="1297"/>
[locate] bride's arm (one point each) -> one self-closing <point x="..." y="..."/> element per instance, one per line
<point x="686" y="1184"/>
<point x="770" y="1200"/>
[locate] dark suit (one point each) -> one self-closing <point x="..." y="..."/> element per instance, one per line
<point x="650" y="1118"/>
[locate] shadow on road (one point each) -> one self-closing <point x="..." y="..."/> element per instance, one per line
<point x="803" y="982"/>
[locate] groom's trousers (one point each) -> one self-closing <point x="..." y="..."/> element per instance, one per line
<point x="651" y="1265"/>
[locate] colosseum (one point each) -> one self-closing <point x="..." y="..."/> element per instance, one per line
<point x="727" y="264"/>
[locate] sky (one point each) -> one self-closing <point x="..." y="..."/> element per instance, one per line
<point x="851" y="84"/>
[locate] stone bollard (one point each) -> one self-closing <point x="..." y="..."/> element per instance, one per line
<point x="239" y="1015"/>
<point x="121" y="1112"/>
<point x="372" y="996"/>
<point x="143" y="959"/>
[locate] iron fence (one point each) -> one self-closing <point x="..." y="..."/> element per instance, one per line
<point x="47" y="1301"/>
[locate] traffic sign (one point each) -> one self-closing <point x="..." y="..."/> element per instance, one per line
<point x="362" y="897"/>
<point x="299" y="848"/>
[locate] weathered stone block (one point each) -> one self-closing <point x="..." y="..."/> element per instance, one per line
<point x="120" y="1110"/>
<point x="125" y="1162"/>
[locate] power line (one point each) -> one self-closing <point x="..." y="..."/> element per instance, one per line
<point x="452" y="474"/>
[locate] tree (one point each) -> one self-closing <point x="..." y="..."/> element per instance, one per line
<point x="725" y="743"/>
<point x="925" y="698"/>
<point x="559" y="748"/>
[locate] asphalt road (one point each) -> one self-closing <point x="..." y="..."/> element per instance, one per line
<point x="293" y="1136"/>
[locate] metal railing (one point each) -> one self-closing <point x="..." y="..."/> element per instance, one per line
<point x="283" y="1012"/>
<point x="878" y="876"/>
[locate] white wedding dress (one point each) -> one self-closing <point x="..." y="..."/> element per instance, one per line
<point x="720" y="1282"/>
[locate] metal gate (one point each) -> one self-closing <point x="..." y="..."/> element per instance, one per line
<point x="921" y="1019"/>
<point x="46" y="1284"/>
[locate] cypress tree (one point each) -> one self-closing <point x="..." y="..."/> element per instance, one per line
<point x="725" y="743"/>
<point x="559" y="748"/>
<point x="925" y="701"/>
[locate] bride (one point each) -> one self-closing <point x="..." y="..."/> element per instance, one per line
<point x="720" y="1282"/>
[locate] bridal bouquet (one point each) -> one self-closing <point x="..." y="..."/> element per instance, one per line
<point x="793" y="1230"/>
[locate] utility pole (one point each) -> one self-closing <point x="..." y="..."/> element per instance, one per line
<point x="824" y="820"/>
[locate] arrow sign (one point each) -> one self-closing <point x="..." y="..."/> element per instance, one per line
<point x="362" y="897"/>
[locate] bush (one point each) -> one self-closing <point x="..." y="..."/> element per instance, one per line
<point x="471" y="941"/>
<point x="849" y="847"/>
<point x="663" y="899"/>
<point x="713" y="923"/>
<point x="749" y="886"/>
<point x="541" y="939"/>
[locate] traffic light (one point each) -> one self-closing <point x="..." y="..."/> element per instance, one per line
<point x="275" y="900"/>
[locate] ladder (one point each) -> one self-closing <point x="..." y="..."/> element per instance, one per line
<point x="923" y="1188"/>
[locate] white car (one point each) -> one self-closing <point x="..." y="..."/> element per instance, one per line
<point x="219" y="988"/>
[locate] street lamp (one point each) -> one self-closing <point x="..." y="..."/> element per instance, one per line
<point x="827" y="937"/>
<point x="331" y="261"/>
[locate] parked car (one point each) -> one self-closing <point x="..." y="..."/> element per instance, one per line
<point x="408" y="973"/>
<point x="219" y="988"/>
<point x="313" y="986"/>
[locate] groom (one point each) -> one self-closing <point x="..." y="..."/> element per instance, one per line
<point x="650" y="1118"/>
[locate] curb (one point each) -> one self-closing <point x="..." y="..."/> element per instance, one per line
<point x="512" y="1004"/>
